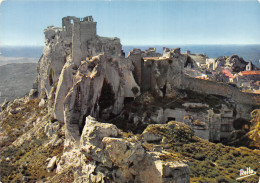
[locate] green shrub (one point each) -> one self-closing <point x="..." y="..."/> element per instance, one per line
<point x="135" y="90"/>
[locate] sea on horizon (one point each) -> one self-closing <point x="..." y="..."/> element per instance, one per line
<point x="248" y="52"/>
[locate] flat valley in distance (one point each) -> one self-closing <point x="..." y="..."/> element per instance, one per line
<point x="16" y="79"/>
<point x="18" y="70"/>
<point x="13" y="60"/>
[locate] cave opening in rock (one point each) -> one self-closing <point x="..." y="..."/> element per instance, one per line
<point x="241" y="124"/>
<point x="77" y="106"/>
<point x="163" y="89"/>
<point x="189" y="61"/>
<point x="128" y="100"/>
<point x="107" y="97"/>
<point x="51" y="77"/>
<point x="82" y="124"/>
<point x="136" y="76"/>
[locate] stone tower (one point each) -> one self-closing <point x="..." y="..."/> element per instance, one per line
<point x="79" y="31"/>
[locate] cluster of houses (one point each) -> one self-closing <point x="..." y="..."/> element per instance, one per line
<point x="232" y="70"/>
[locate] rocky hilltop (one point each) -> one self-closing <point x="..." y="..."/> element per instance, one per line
<point x="94" y="115"/>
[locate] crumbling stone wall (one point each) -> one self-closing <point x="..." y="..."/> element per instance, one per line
<point x="163" y="74"/>
<point x="168" y="71"/>
<point x="135" y="56"/>
<point x="91" y="30"/>
<point x="211" y="87"/>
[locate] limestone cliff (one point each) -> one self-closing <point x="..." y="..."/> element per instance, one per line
<point x="82" y="75"/>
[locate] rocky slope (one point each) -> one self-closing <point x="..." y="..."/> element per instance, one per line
<point x="34" y="148"/>
<point x="16" y="79"/>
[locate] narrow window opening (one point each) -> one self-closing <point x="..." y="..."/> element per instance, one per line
<point x="128" y="100"/>
<point x="171" y="119"/>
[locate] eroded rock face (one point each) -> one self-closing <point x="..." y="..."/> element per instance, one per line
<point x="84" y="74"/>
<point x="92" y="136"/>
<point x="54" y="56"/>
<point x="101" y="86"/>
<point x="106" y="157"/>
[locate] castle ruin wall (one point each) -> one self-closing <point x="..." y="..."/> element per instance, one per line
<point x="214" y="88"/>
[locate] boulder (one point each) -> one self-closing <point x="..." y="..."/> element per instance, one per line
<point x="92" y="136"/>
<point x="33" y="94"/>
<point x="52" y="163"/>
<point x="4" y="105"/>
<point x="16" y="110"/>
<point x="51" y="128"/>
<point x="123" y="153"/>
<point x="122" y="160"/>
<point x="155" y="170"/>
<point x="151" y="137"/>
<point x="94" y="132"/>
<point x="42" y="103"/>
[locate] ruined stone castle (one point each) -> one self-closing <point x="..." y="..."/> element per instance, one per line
<point x="82" y="74"/>
<point x="85" y="82"/>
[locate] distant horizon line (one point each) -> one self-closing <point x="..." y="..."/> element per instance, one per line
<point x="242" y="44"/>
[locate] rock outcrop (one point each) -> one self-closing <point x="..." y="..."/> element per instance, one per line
<point x="93" y="79"/>
<point x="52" y="163"/>
<point x="33" y="150"/>
<point x="104" y="156"/>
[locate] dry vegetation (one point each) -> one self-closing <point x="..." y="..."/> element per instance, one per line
<point x="209" y="162"/>
<point x="249" y="137"/>
<point x="26" y="162"/>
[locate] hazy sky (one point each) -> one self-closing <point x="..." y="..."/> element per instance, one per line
<point x="144" y="22"/>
